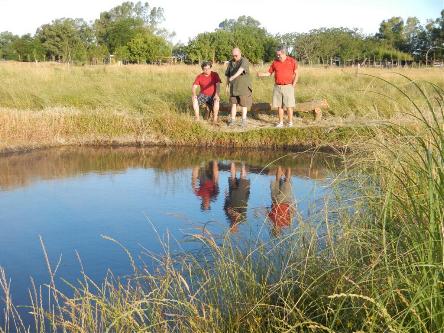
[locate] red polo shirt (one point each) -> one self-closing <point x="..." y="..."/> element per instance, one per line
<point x="207" y="83"/>
<point x="283" y="70"/>
<point x="280" y="214"/>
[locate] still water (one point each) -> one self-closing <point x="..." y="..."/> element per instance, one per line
<point x="72" y="197"/>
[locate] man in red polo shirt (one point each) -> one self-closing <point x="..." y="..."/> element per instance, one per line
<point x="285" y="69"/>
<point x="209" y="83"/>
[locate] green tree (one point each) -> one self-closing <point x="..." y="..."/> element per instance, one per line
<point x="392" y="31"/>
<point x="223" y="42"/>
<point x="435" y="33"/>
<point x="7" y="51"/>
<point x="249" y="36"/>
<point x="147" y="47"/>
<point x="413" y="32"/>
<point x="97" y="53"/>
<point x="122" y="54"/>
<point x="245" y="32"/>
<point x="28" y="48"/>
<point x="64" y="39"/>
<point x="202" y="47"/>
<point x="116" y="27"/>
<point x="180" y="52"/>
<point x="304" y="46"/>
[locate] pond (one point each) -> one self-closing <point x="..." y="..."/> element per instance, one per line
<point x="73" y="198"/>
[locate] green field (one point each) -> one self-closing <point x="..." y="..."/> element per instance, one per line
<point x="55" y="104"/>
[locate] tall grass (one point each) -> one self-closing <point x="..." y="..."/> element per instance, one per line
<point x="378" y="265"/>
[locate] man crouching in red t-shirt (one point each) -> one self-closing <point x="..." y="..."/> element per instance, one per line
<point x="209" y="83"/>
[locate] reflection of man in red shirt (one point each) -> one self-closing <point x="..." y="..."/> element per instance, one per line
<point x="283" y="203"/>
<point x="209" y="83"/>
<point x="208" y="187"/>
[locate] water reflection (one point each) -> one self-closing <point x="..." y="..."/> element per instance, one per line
<point x="18" y="170"/>
<point x="71" y="196"/>
<point x="205" y="183"/>
<point x="236" y="198"/>
<point x="283" y="204"/>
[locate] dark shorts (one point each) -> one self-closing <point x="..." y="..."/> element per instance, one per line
<point x="205" y="100"/>
<point x="245" y="101"/>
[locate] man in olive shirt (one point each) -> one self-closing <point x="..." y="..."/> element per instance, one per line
<point x="239" y="82"/>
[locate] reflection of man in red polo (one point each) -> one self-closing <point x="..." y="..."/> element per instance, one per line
<point x="282" y="201"/>
<point x="285" y="70"/>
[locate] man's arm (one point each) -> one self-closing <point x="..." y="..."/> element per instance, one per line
<point x="263" y="74"/>
<point x="217" y="94"/>
<point x="296" y="74"/>
<point x="266" y="74"/>
<point x="295" y="77"/>
<point x="237" y="74"/>
<point x="194" y="90"/>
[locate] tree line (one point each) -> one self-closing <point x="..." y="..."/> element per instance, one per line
<point x="132" y="33"/>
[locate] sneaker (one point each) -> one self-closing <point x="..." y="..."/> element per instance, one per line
<point x="244" y="123"/>
<point x="280" y="125"/>
<point x="231" y="122"/>
<point x="290" y="124"/>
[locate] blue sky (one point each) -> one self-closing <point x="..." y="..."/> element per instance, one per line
<point x="188" y="18"/>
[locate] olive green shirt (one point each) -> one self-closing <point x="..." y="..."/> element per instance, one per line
<point x="240" y="86"/>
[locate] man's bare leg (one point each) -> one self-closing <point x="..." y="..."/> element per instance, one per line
<point x="243" y="173"/>
<point x="215" y="110"/>
<point x="244" y="113"/>
<point x="233" y="170"/>
<point x="233" y="112"/>
<point x="281" y="115"/>
<point x="290" y="115"/>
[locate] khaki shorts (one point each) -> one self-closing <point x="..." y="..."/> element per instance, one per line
<point x="245" y="101"/>
<point x="283" y="96"/>
<point x="282" y="192"/>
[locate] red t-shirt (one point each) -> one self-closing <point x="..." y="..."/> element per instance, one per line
<point x="283" y="70"/>
<point x="207" y="190"/>
<point x="280" y="214"/>
<point x="207" y="83"/>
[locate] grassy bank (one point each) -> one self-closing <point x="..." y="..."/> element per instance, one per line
<point x="377" y="267"/>
<point x="53" y="104"/>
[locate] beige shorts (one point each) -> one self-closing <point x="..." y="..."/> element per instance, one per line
<point x="283" y="96"/>
<point x="282" y="192"/>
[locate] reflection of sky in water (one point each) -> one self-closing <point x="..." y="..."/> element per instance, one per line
<point x="71" y="213"/>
